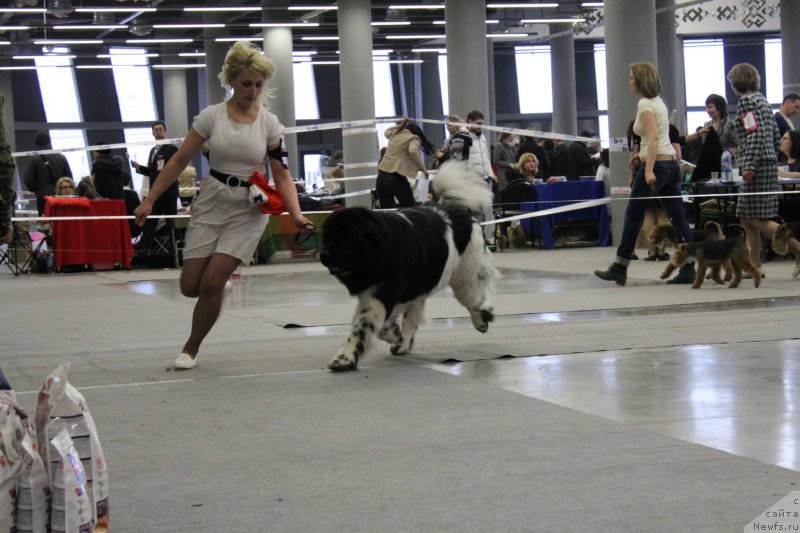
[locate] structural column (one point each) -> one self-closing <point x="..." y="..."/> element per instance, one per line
<point x="630" y="36"/>
<point x="670" y="61"/>
<point x="278" y="47"/>
<point x="176" y="113"/>
<point x="215" y="58"/>
<point x="432" y="98"/>
<point x="467" y="61"/>
<point x="790" y="45"/>
<point x="562" y="64"/>
<point x="358" y="92"/>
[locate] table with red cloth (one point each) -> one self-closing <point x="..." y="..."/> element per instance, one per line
<point x="101" y="243"/>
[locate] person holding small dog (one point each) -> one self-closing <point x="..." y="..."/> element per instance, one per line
<point x="758" y="142"/>
<point x="243" y="137"/>
<point x="659" y="175"/>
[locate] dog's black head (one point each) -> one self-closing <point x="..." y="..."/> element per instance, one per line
<point x="354" y="245"/>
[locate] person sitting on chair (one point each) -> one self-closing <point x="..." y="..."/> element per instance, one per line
<point x="65" y="187"/>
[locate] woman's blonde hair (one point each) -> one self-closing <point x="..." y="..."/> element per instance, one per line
<point x="744" y="78"/>
<point x="61" y="181"/>
<point x="245" y="55"/>
<point x="646" y="77"/>
<point x="524" y="158"/>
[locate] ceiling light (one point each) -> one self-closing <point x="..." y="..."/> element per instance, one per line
<point x="322" y="63"/>
<point x="23" y="10"/>
<point x="158" y="41"/>
<point x="312" y="8"/>
<point x="416" y="36"/>
<point x="4" y="28"/>
<point x="235" y="39"/>
<point x="50" y="42"/>
<point x="186" y="26"/>
<point x="488" y="21"/>
<point x="21" y="68"/>
<point x="5" y="43"/>
<point x="507" y="35"/>
<point x="589" y="5"/>
<point x="399" y="61"/>
<point x="90" y="27"/>
<point x="304" y="53"/>
<point x="197" y="9"/>
<point x="115" y="10"/>
<point x="519" y="5"/>
<point x="37" y="57"/>
<point x="429" y="50"/>
<point x="192" y="54"/>
<point x="416" y="6"/>
<point x="181" y="65"/>
<point x="551" y="21"/>
<point x="119" y="53"/>
<point x="321" y="38"/>
<point x="392" y="23"/>
<point x="104" y="66"/>
<point x="284" y="25"/>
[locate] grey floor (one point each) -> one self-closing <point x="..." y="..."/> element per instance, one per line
<point x="587" y="407"/>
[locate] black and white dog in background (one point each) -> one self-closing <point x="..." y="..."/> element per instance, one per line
<point x="393" y="260"/>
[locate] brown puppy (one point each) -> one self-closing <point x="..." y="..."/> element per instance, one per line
<point x="733" y="250"/>
<point x="784" y="233"/>
<point x="711" y="231"/>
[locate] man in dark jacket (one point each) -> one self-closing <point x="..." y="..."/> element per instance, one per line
<point x="167" y="203"/>
<point x="7" y="192"/>
<point x="579" y="160"/>
<point x="107" y="172"/>
<point x="45" y="170"/>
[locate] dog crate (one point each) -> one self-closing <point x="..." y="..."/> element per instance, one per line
<point x="576" y="232"/>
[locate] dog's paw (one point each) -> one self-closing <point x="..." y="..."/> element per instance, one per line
<point x="343" y="362"/>
<point x="481" y="318"/>
<point x="401" y="348"/>
<point x="391" y="333"/>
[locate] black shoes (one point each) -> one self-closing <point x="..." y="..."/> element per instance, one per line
<point x="616" y="273"/>
<point x="685" y="275"/>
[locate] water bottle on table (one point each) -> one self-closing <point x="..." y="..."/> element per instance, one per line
<point x="726" y="167"/>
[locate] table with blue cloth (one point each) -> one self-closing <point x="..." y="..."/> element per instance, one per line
<point x="559" y="194"/>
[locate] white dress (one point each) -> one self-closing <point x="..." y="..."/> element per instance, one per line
<point x="222" y="219"/>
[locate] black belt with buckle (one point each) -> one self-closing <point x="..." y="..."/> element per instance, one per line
<point x="230" y="181"/>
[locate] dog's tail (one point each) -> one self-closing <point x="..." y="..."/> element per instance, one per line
<point x="456" y="185"/>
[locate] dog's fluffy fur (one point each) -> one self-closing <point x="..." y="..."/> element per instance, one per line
<point x="393" y="260"/>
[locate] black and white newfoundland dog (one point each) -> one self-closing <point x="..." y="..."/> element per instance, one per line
<point x="393" y="260"/>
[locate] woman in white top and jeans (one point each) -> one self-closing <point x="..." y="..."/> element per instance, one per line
<point x="243" y="137"/>
<point x="659" y="175"/>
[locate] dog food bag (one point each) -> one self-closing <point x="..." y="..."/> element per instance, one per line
<point x="71" y="510"/>
<point x="12" y="429"/>
<point x="62" y="406"/>
<point x="33" y="496"/>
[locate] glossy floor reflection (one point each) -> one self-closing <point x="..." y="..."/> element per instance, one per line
<point x="740" y="398"/>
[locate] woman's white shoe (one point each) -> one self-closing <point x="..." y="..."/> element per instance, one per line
<point x="185" y="362"/>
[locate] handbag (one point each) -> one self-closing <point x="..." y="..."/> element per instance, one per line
<point x="264" y="196"/>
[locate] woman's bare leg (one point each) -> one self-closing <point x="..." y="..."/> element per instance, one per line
<point x="205" y="279"/>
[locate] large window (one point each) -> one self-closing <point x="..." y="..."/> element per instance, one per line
<point x="773" y="75"/>
<point x="704" y="67"/>
<point x="134" y="87"/>
<point x="61" y="104"/>
<point x="384" y="92"/>
<point x="443" y="84"/>
<point x="305" y="92"/>
<point x="601" y="81"/>
<point x="533" y="79"/>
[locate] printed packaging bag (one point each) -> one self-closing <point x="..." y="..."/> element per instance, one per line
<point x="62" y="406"/>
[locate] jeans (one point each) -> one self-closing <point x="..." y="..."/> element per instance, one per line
<point x="668" y="183"/>
<point x="391" y="185"/>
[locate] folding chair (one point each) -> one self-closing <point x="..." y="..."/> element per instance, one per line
<point x="518" y="191"/>
<point x="21" y="249"/>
